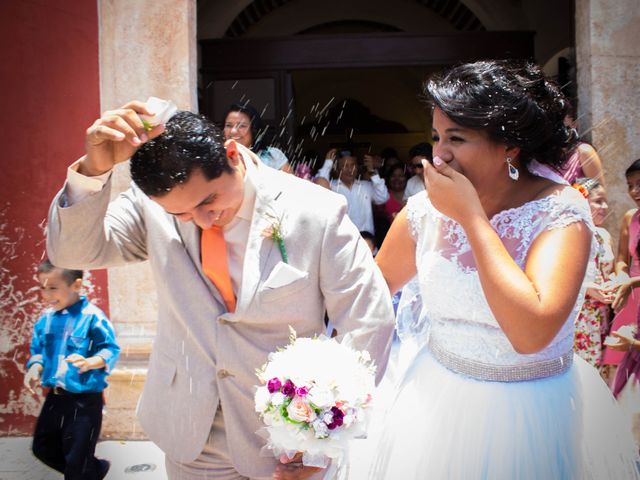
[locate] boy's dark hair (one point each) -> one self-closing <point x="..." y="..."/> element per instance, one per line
<point x="69" y="276"/>
<point x="634" y="167"/>
<point x="421" y="149"/>
<point x="190" y="142"/>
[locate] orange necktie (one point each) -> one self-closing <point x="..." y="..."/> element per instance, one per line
<point x="213" y="250"/>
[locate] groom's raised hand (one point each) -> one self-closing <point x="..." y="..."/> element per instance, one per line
<point x="114" y="137"/>
<point x="293" y="469"/>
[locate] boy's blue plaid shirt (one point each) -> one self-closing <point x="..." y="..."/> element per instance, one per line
<point x="81" y="328"/>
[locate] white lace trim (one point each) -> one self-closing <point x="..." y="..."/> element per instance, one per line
<point x="523" y="223"/>
<point x="451" y="292"/>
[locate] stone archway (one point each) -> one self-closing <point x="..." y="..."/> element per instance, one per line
<point x="453" y="12"/>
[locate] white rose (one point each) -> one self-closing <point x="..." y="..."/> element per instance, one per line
<point x="162" y="110"/>
<point x="350" y="417"/>
<point x="320" y="429"/>
<point x="262" y="399"/>
<point x="321" y="397"/>
<point x="277" y="399"/>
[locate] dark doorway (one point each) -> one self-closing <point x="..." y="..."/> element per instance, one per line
<point x="319" y="91"/>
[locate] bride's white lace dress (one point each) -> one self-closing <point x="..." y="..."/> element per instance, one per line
<point x="469" y="406"/>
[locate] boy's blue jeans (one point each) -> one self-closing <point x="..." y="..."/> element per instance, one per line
<point x="66" y="434"/>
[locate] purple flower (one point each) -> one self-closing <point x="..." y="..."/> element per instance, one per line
<point x="302" y="391"/>
<point x="337" y="412"/>
<point x="338" y="417"/>
<point x="289" y="389"/>
<point x="274" y="385"/>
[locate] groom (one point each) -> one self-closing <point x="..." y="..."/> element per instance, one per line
<point x="199" y="212"/>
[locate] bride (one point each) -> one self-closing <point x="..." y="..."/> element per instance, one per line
<point x="501" y="251"/>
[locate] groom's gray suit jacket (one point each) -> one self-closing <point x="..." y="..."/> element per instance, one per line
<point x="203" y="355"/>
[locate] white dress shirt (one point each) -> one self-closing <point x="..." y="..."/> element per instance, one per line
<point x="414" y="185"/>
<point x="359" y="199"/>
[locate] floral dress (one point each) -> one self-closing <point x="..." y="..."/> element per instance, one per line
<point x="592" y="325"/>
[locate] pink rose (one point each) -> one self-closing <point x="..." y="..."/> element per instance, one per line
<point x="300" y="411"/>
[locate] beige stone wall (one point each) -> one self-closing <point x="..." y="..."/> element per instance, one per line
<point x="147" y="48"/>
<point x="303" y="14"/>
<point x="608" y="58"/>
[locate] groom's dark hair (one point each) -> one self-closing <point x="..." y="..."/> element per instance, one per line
<point x="190" y="142"/>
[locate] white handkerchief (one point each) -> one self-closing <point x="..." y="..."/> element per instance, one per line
<point x="625" y="331"/>
<point x="283" y="274"/>
<point x="610" y="340"/>
<point x="162" y="110"/>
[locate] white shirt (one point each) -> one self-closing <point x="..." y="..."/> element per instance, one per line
<point x="236" y="232"/>
<point x="414" y="185"/>
<point x="359" y="198"/>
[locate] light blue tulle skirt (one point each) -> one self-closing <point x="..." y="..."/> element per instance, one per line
<point x="433" y="423"/>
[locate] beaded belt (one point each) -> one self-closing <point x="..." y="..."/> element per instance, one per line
<point x="501" y="373"/>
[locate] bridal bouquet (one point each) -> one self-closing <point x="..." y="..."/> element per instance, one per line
<point x="314" y="398"/>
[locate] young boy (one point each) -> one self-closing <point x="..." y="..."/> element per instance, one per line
<point x="73" y="349"/>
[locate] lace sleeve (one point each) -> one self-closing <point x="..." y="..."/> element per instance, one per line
<point x="416" y="211"/>
<point x="567" y="208"/>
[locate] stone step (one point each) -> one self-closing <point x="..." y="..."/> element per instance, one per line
<point x="134" y="354"/>
<point x="125" y="387"/>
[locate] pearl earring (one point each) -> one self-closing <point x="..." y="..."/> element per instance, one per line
<point x="514" y="174"/>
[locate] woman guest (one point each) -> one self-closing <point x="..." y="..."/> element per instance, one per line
<point x="396" y="180"/>
<point x="593" y="323"/>
<point x="243" y="124"/>
<point x="583" y="160"/>
<point x="627" y="301"/>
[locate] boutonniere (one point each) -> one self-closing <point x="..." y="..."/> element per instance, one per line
<point x="274" y="232"/>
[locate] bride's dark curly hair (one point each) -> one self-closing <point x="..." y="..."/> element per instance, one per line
<point x="510" y="100"/>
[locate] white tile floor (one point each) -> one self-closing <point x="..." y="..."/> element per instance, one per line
<point x="129" y="461"/>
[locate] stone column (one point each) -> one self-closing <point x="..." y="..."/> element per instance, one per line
<point x="608" y="70"/>
<point x="147" y="48"/>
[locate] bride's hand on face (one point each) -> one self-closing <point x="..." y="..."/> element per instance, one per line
<point x="450" y="192"/>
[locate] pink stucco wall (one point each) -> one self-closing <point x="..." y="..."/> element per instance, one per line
<point x="49" y="91"/>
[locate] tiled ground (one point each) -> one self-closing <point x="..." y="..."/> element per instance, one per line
<point x="129" y="461"/>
